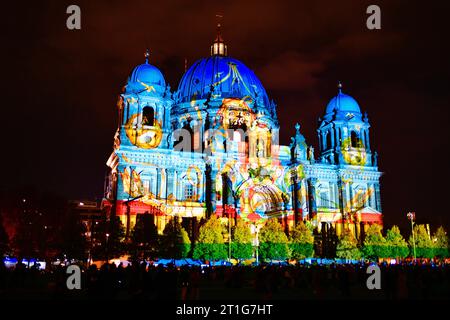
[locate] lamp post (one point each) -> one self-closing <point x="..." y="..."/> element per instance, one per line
<point x="107" y="237"/>
<point x="256" y="242"/>
<point x="229" y="236"/>
<point x="128" y="226"/>
<point x="411" y="216"/>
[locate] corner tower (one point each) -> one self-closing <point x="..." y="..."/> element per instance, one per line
<point x="344" y="133"/>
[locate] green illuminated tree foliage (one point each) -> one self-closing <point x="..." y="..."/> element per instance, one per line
<point x="347" y="247"/>
<point x="301" y="242"/>
<point x="210" y="244"/>
<point x="397" y="246"/>
<point x="440" y="239"/>
<point x="375" y="245"/>
<point x="241" y="246"/>
<point x="424" y="245"/>
<point x="176" y="242"/>
<point x="273" y="241"/>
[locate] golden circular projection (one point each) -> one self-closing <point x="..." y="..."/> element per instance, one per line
<point x="355" y="156"/>
<point x="145" y="137"/>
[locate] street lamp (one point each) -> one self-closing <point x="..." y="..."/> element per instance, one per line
<point x="229" y="236"/>
<point x="256" y="241"/>
<point x="411" y="216"/>
<point x="107" y="237"/>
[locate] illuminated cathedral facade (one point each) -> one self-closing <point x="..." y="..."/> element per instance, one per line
<point x="211" y="148"/>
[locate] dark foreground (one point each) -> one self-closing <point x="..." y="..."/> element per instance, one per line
<point x="316" y="282"/>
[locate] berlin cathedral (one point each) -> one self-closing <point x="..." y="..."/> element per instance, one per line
<point x="211" y="147"/>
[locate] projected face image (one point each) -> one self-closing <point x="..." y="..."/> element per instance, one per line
<point x="236" y="113"/>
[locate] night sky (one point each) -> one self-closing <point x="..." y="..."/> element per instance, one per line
<point x="60" y="87"/>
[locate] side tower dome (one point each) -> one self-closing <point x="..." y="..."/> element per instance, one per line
<point x="344" y="133"/>
<point x="146" y="77"/>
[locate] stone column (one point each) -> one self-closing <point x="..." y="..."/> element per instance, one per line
<point x="372" y="197"/>
<point x="320" y="142"/>
<point x="312" y="197"/>
<point x="363" y="137"/>
<point x="367" y="139"/>
<point x="158" y="183"/>
<point x="198" y="187"/>
<point x="350" y="195"/>
<point x="164" y="183"/>
<point x="332" y="138"/>
<point x="169" y="181"/>
<point x="175" y="185"/>
<point x="342" y="192"/>
<point x="303" y="198"/>
<point x="378" y="196"/>
<point x="295" y="193"/>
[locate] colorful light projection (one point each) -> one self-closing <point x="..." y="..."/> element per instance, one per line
<point x="235" y="113"/>
<point x="354" y="151"/>
<point x="147" y="87"/>
<point x="142" y="136"/>
<point x="132" y="184"/>
<point x="133" y="187"/>
<point x="256" y="190"/>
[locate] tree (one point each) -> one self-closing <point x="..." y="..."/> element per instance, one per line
<point x="440" y="239"/>
<point x="144" y="237"/>
<point x="375" y="245"/>
<point x="210" y="244"/>
<point x="347" y="247"/>
<point x="73" y="238"/>
<point x="175" y="243"/>
<point x="273" y="241"/>
<point x="424" y="245"/>
<point x="301" y="242"/>
<point x="241" y="246"/>
<point x="110" y="235"/>
<point x="397" y="246"/>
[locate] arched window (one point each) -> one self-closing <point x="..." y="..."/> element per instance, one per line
<point x="189" y="193"/>
<point x="184" y="138"/>
<point x="355" y="139"/>
<point x="148" y="116"/>
<point x="329" y="140"/>
<point x="246" y="145"/>
<point x="323" y="193"/>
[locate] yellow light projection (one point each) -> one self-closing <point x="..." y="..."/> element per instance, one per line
<point x="235" y="74"/>
<point x="256" y="189"/>
<point x="147" y="87"/>
<point x="354" y="155"/>
<point x="132" y="183"/>
<point x="146" y="137"/>
<point x="235" y="113"/>
<point x="134" y="187"/>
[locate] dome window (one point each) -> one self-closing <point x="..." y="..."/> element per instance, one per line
<point x="148" y="116"/>
<point x="355" y="140"/>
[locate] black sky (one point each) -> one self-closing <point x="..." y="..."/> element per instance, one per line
<point x="60" y="87"/>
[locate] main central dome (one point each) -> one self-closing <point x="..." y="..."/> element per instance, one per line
<point x="220" y="75"/>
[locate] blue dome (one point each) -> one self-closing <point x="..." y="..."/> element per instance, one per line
<point x="344" y="103"/>
<point x="147" y="74"/>
<point x="230" y="77"/>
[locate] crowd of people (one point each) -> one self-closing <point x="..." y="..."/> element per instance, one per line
<point x="141" y="280"/>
